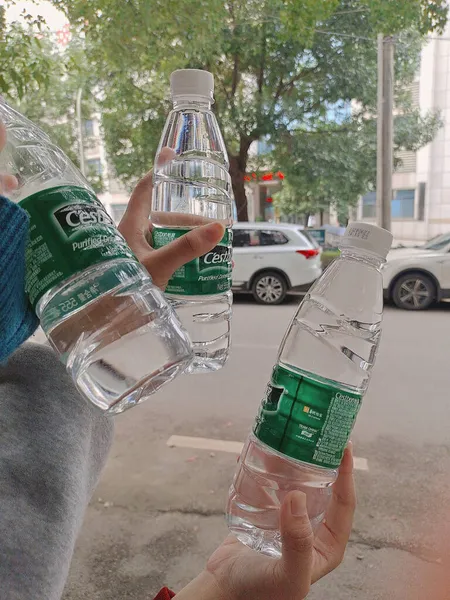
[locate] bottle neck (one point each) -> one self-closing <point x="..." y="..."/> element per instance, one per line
<point x="367" y="257"/>
<point x="195" y="102"/>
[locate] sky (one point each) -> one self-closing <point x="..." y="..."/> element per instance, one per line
<point x="54" y="18"/>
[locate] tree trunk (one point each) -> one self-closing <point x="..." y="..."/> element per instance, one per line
<point x="321" y="217"/>
<point x="238" y="168"/>
<point x="240" y="195"/>
<point x="307" y="215"/>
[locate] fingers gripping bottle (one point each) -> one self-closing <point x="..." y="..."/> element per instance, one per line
<point x="113" y="329"/>
<point x="312" y="400"/>
<point x="193" y="189"/>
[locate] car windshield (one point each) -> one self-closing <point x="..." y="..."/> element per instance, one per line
<point x="438" y="243"/>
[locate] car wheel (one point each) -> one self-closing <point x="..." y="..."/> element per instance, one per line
<point x="414" y="291"/>
<point x="269" y="288"/>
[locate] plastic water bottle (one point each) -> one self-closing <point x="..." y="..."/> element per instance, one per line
<point x="117" y="335"/>
<point x="190" y="190"/>
<point x="312" y="401"/>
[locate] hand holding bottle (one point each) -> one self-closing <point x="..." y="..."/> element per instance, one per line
<point x="312" y="401"/>
<point x="113" y="329"/>
<point x="235" y="572"/>
<point x="136" y="229"/>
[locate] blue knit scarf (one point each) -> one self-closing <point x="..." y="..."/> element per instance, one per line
<point x="17" y="318"/>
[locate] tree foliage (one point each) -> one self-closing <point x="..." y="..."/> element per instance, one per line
<point x="52" y="106"/>
<point x="45" y="89"/>
<point x="23" y="60"/>
<point x="330" y="163"/>
<point x="424" y="15"/>
<point x="278" y="65"/>
<point x="335" y="165"/>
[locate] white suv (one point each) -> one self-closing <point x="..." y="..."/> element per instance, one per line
<point x="272" y="260"/>
<point x="415" y="278"/>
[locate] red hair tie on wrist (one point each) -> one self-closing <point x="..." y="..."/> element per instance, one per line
<point x="165" y="594"/>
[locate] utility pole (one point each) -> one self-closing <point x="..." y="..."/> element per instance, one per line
<point x="80" y="130"/>
<point x="385" y="130"/>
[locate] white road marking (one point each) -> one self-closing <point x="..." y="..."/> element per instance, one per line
<point x="198" y="443"/>
<point x="180" y="441"/>
<point x="360" y="464"/>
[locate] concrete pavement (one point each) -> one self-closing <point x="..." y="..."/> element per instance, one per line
<point x="157" y="513"/>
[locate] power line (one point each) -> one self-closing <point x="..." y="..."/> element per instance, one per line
<point x="321" y="31"/>
<point x="346" y="35"/>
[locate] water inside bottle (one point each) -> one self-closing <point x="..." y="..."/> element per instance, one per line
<point x="123" y="346"/>
<point x="189" y="193"/>
<point x="262" y="481"/>
<point x="324" y="341"/>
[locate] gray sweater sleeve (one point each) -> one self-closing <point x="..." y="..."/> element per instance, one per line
<point x="53" y="445"/>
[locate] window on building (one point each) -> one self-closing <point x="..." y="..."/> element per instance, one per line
<point x="403" y="204"/>
<point x="369" y="205"/>
<point x="89" y="128"/>
<point x="421" y="201"/>
<point x="118" y="210"/>
<point x="94" y="166"/>
<point x="408" y="162"/>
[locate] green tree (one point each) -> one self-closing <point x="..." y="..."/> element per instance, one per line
<point x="278" y="64"/>
<point x="43" y="80"/>
<point x="295" y="199"/>
<point x="23" y="60"/>
<point x="52" y="105"/>
<point x="334" y="165"/>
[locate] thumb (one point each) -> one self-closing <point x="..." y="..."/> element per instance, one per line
<point x="193" y="244"/>
<point x="135" y="220"/>
<point x="297" y="544"/>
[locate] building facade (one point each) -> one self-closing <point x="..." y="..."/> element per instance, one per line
<point x="114" y="196"/>
<point x="421" y="186"/>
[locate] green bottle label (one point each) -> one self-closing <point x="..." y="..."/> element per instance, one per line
<point x="209" y="274"/>
<point x="305" y="419"/>
<point x="70" y="230"/>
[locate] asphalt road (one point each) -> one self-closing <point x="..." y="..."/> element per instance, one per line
<point x="157" y="512"/>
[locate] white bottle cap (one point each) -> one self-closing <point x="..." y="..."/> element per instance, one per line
<point x="192" y="83"/>
<point x="367" y="237"/>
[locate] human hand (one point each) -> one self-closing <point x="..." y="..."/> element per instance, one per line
<point x="136" y="229"/>
<point x="235" y="572"/>
<point x="7" y="182"/>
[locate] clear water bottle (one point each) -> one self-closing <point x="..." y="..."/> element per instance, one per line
<point x="312" y="401"/>
<point x="193" y="189"/>
<point x="117" y="335"/>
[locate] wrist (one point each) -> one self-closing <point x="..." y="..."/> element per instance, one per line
<point x="203" y="587"/>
